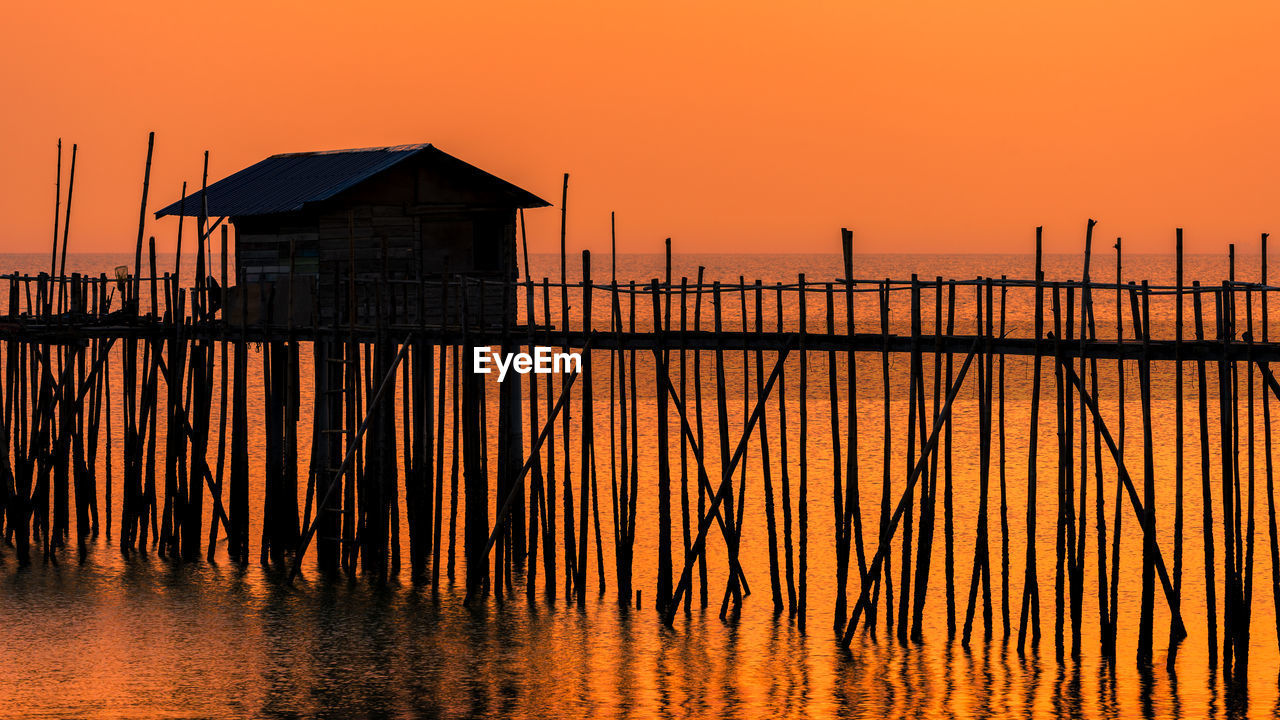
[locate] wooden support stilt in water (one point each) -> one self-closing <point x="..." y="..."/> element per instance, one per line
<point x="455" y="393"/>
<point x="723" y="493"/>
<point x="948" y="508"/>
<point x="222" y="413"/>
<point x="929" y="491"/>
<point x="508" y="500"/>
<point x="1232" y="600"/>
<point x="633" y="493"/>
<point x="1031" y="586"/>
<point x="589" y="416"/>
<point x="1242" y="663"/>
<point x="1109" y="637"/>
<point x="537" y="498"/>
<point x="886" y="465"/>
<point x="697" y="411"/>
<point x="586" y="463"/>
<point x="1138" y="504"/>
<point x="852" y="520"/>
<point x="1206" y="503"/>
<point x="438" y="521"/>
<point x="1272" y="533"/>
<point x="733" y="591"/>
<point x="664" y="590"/>
<point x="883" y="549"/>
<point x="803" y="510"/>
<point x="684" y="443"/>
<point x="1141" y="324"/>
<point x="1178" y="440"/>
<point x="916" y="410"/>
<point x="1062" y="534"/>
<point x="1088" y="331"/>
<point x="841" y="537"/>
<point x="623" y="497"/>
<point x="570" y="542"/>
<point x="664" y="376"/>
<point x="550" y="576"/>
<point x="784" y="472"/>
<point x="981" y="576"/>
<point x="387" y="381"/>
<point x="775" y="582"/>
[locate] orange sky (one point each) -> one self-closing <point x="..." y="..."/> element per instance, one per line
<point x="925" y="126"/>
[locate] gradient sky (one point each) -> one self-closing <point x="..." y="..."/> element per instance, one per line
<point x="743" y="126"/>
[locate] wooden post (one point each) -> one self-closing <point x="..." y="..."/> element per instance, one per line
<point x="886" y="464"/>
<point x="948" y="509"/>
<point x="802" y="599"/>
<point x="549" y="545"/>
<point x="586" y="484"/>
<point x="697" y="411"/>
<point x="841" y="538"/>
<point x="1178" y="422"/>
<point x="1226" y="409"/>
<point x="1004" y="506"/>
<point x="1273" y="535"/>
<point x="684" y="441"/>
<point x="915" y="410"/>
<point x="784" y="470"/>
<point x="1031" y="586"/>
<point x="1211" y="592"/>
<point x="664" y="589"/>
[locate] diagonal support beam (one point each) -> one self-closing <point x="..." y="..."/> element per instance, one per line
<point x="730" y="535"/>
<point x="64" y="376"/>
<point x="726" y="486"/>
<point x="1269" y="377"/>
<point x="1179" y="629"/>
<point x="305" y="541"/>
<point x="864" y="597"/>
<point x="509" y="500"/>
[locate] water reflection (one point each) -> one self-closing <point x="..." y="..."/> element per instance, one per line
<point x="144" y="637"/>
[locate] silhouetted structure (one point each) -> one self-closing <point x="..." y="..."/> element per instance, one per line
<point x="400" y="413"/>
<point x="409" y="212"/>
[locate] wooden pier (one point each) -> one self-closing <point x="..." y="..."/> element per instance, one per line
<point x="391" y="387"/>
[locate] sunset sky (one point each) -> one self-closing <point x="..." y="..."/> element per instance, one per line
<point x="743" y="126"/>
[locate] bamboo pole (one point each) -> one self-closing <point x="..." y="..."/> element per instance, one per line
<point x="840" y="534"/>
<point x="803" y="509"/>
<point x="587" y="484"/>
<point x="725" y="490"/>
<point x="784" y="471"/>
<point x="1206" y="503"/>
<point x="882" y="551"/>
<point x="1178" y="450"/>
<point x="687" y="535"/>
<point x="697" y="412"/>
<point x="915" y="410"/>
<point x="929" y="491"/>
<point x="664" y="590"/>
<point x="775" y="583"/>
<point x="886" y="474"/>
<point x="1031" y="586"/>
<point x="1141" y="324"/>
<point x="1272" y="533"/>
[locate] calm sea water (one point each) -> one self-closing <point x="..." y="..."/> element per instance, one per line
<point x="142" y="637"/>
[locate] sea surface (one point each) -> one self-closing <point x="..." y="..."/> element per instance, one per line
<point x="110" y="636"/>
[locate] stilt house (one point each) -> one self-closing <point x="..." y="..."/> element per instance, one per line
<point x="399" y="216"/>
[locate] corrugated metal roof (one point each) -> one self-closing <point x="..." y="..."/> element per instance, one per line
<point x="289" y="182"/>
